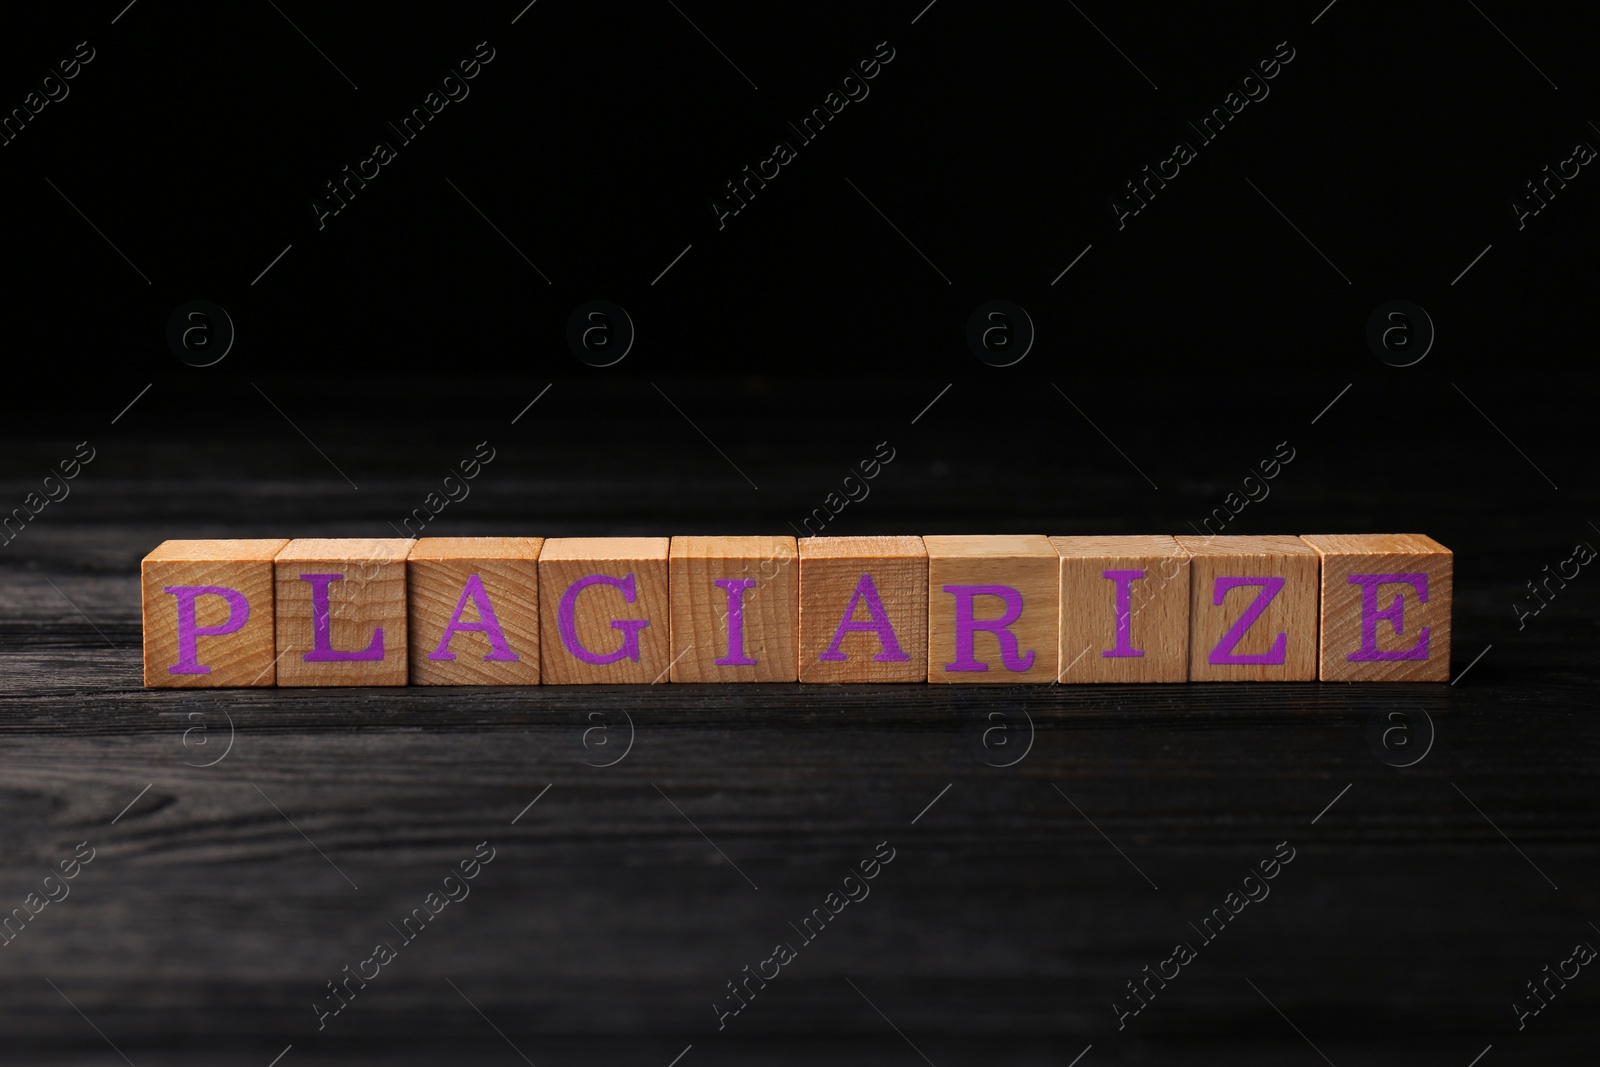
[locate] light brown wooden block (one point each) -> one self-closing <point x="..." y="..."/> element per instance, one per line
<point x="342" y="611"/>
<point x="474" y="610"/>
<point x="1385" y="607"/>
<point x="863" y="609"/>
<point x="1124" y="609"/>
<point x="745" y="629"/>
<point x="604" y="613"/>
<point x="1252" y="609"/>
<point x="993" y="608"/>
<point x="208" y="613"/>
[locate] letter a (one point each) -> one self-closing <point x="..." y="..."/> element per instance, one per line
<point x="488" y="625"/>
<point x="879" y="624"/>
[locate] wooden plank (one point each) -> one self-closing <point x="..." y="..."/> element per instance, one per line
<point x="993" y="608"/>
<point x="605" y="615"/>
<point x="863" y="609"/>
<point x="735" y="609"/>
<point x="1385" y="607"/>
<point x="342" y="611"/>
<point x="1252" y="609"/>
<point x="474" y="610"/>
<point x="208" y="613"/>
<point x="1124" y="609"/>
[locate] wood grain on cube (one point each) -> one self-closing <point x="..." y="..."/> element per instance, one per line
<point x="604" y="613"/>
<point x="863" y="609"/>
<point x="208" y="613"/>
<point x="474" y="610"/>
<point x="342" y="611"/>
<point x="1385" y="607"/>
<point x="1252" y="609"/>
<point x="1124" y="609"/>
<point x="735" y="609"/>
<point x="993" y="608"/>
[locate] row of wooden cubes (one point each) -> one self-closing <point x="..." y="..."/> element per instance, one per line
<point x="986" y="609"/>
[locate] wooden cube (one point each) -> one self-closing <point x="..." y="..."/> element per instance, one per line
<point x="735" y="609"/>
<point x="1252" y="609"/>
<point x="208" y="614"/>
<point x="1385" y="607"/>
<point x="1124" y="609"/>
<point x="474" y="610"/>
<point x="863" y="609"/>
<point x="342" y="611"/>
<point x="604" y="615"/>
<point x="993" y="608"/>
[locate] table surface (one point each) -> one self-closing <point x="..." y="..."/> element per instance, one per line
<point x="1049" y="842"/>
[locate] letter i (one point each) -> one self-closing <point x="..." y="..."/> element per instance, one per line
<point x="1124" y="581"/>
<point x="735" y="588"/>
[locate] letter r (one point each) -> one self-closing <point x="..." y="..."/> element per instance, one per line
<point x="967" y="627"/>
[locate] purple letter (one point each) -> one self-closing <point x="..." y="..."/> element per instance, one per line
<point x="967" y="628"/>
<point x="488" y="625"/>
<point x="238" y="615"/>
<point x="1270" y="587"/>
<point x="322" y="650"/>
<point x="879" y="624"/>
<point x="630" y="627"/>
<point x="1394" y="615"/>
<point x="735" y="588"/>
<point x="1124" y="580"/>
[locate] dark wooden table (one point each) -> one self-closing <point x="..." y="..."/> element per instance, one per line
<point x="1049" y="842"/>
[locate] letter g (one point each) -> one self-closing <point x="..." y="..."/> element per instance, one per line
<point x="567" y="620"/>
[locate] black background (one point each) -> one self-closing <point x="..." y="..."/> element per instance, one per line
<point x="775" y="354"/>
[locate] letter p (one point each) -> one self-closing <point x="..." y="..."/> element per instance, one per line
<point x="189" y="630"/>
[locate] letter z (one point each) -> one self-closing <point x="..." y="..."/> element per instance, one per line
<point x="1224" y="652"/>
